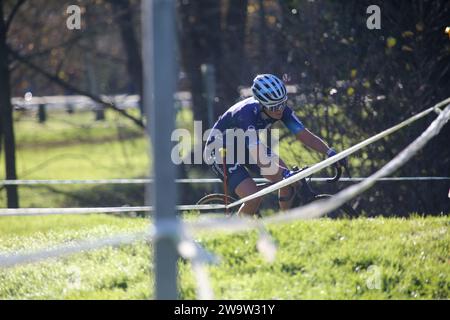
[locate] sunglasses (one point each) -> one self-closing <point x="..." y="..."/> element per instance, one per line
<point x="277" y="107"/>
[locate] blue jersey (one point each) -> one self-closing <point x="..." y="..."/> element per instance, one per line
<point x="247" y="115"/>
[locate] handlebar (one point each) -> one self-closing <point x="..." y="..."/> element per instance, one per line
<point x="335" y="178"/>
<point x="338" y="170"/>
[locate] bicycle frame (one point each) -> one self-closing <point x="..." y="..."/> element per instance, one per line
<point x="304" y="193"/>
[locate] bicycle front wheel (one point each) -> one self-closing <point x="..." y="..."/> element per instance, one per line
<point x="218" y="198"/>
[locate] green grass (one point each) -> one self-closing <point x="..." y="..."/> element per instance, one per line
<point x="62" y="128"/>
<point x="107" y="273"/>
<point x="108" y="160"/>
<point x="325" y="259"/>
<point x="320" y="259"/>
<point x="77" y="147"/>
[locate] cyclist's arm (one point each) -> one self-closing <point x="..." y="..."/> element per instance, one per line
<point x="312" y="141"/>
<point x="303" y="135"/>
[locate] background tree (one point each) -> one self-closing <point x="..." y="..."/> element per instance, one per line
<point x="346" y="82"/>
<point x="6" y="118"/>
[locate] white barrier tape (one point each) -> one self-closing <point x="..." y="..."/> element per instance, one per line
<point x="390" y="179"/>
<point x="106" y="181"/>
<point x="313" y="210"/>
<point x="63" y="211"/>
<point x="64" y="250"/>
<point x="356" y="179"/>
<point x="204" y="288"/>
<point x="186" y="246"/>
<point x="321" y="207"/>
<point x="70" y="182"/>
<point x="199" y="257"/>
<point x="187" y="181"/>
<point x="343" y="154"/>
<point x="224" y="224"/>
<point x="266" y="245"/>
<point x="188" y="249"/>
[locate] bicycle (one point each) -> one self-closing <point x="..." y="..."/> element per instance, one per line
<point x="304" y="194"/>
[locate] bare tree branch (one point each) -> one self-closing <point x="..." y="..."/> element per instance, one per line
<point x="68" y="86"/>
<point x="11" y="16"/>
<point x="63" y="44"/>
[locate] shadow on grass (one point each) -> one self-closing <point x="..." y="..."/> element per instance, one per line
<point x="101" y="196"/>
<point x="112" y="195"/>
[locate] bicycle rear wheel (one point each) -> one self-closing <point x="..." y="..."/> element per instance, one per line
<point x="344" y="211"/>
<point x="218" y="198"/>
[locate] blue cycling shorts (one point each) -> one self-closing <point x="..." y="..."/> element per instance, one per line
<point x="236" y="173"/>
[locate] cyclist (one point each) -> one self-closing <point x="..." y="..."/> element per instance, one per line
<point x="267" y="105"/>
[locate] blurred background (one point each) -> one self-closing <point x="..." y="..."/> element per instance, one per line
<point x="70" y="99"/>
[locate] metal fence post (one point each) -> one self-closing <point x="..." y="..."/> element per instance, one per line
<point x="159" y="64"/>
<point x="209" y="85"/>
<point x="42" y="113"/>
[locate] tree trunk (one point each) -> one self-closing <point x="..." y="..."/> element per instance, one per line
<point x="263" y="58"/>
<point x="131" y="45"/>
<point x="6" y="117"/>
<point x="232" y="69"/>
<point x="200" y="44"/>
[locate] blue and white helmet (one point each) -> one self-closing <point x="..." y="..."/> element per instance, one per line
<point x="269" y="90"/>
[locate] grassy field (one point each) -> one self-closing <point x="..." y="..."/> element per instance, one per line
<point x="77" y="147"/>
<point x="321" y="259"/>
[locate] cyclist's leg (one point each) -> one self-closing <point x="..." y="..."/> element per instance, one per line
<point x="285" y="194"/>
<point x="245" y="188"/>
<point x="239" y="182"/>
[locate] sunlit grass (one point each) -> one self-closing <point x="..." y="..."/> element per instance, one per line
<point x="320" y="259"/>
<point x="61" y="128"/>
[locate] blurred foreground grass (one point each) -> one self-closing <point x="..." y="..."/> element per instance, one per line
<point x="320" y="259"/>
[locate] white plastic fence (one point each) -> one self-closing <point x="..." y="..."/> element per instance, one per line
<point x="187" y="181"/>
